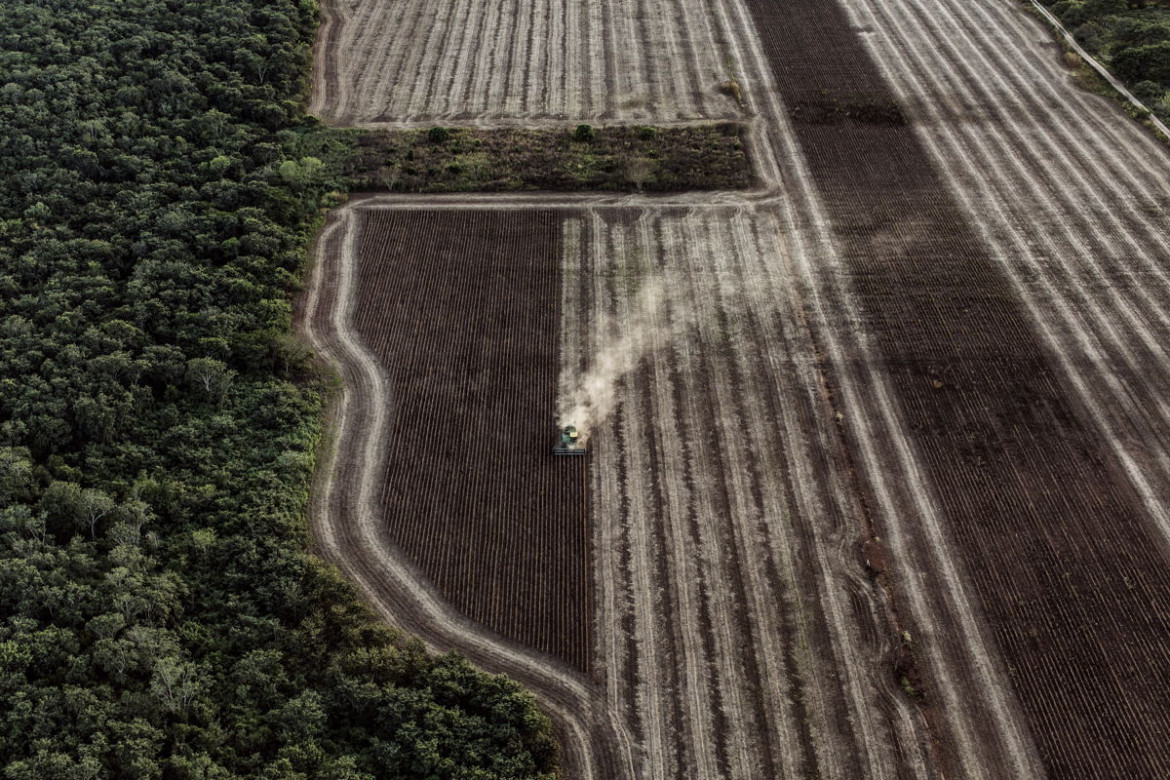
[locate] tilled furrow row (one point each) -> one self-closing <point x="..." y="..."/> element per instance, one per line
<point x="507" y="548"/>
<point x="1024" y="481"/>
<point x="1085" y="260"/>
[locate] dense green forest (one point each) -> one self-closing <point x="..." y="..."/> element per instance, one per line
<point x="160" y="616"/>
<point x="1130" y="37"/>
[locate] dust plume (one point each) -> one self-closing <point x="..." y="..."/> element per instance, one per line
<point x="625" y="340"/>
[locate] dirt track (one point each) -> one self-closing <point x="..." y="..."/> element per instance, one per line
<point x="945" y="332"/>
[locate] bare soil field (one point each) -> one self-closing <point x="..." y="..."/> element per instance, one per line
<point x="396" y="62"/>
<point x="350" y="525"/>
<point x="461" y="309"/>
<point x="1069" y="569"/>
<point x="736" y="631"/>
<point x="895" y="420"/>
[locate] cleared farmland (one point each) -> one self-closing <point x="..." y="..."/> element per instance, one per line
<point x="351" y="524"/>
<point x="938" y="337"/>
<point x="400" y="62"/>
<point x="1068" y="568"/>
<point x="736" y="632"/>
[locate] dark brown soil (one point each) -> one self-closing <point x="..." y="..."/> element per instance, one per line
<point x="1066" y="569"/>
<point x="462" y="310"/>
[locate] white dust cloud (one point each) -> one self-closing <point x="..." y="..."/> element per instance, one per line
<point x="625" y="341"/>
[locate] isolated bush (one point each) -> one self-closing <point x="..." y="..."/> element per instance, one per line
<point x="438" y="135"/>
<point x="638" y="171"/>
<point x="732" y="89"/>
<point x="584" y="133"/>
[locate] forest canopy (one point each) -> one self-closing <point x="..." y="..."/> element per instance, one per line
<point x="160" y="614"/>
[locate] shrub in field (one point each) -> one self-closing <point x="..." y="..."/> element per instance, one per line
<point x="584" y="133"/>
<point x="732" y="89"/>
<point x="638" y="171"/>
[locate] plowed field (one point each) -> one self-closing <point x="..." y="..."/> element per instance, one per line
<point x="1068" y="568"/>
<point x="401" y="62"/>
<point x="743" y="640"/>
<point x="885" y="489"/>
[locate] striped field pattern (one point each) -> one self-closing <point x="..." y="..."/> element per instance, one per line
<point x="1070" y="200"/>
<point x="898" y="418"/>
<point x="406" y="62"/>
<point x="736" y="631"/>
<point x="467" y="332"/>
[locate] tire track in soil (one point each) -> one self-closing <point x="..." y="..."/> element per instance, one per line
<point x="974" y="713"/>
<point x="1121" y="432"/>
<point x="692" y="246"/>
<point x="1026" y="487"/>
<point x="677" y="442"/>
<point x="1098" y="265"/>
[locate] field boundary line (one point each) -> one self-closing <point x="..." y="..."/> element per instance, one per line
<point x="461" y="201"/>
<point x="537" y="123"/>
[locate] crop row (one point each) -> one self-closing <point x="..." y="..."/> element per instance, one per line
<point x="735" y="631"/>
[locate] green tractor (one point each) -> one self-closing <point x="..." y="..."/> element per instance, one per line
<point x="570" y="443"/>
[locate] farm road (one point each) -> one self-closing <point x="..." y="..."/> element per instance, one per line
<point x="962" y="357"/>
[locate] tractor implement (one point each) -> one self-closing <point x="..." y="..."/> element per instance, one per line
<point x="570" y="443"/>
